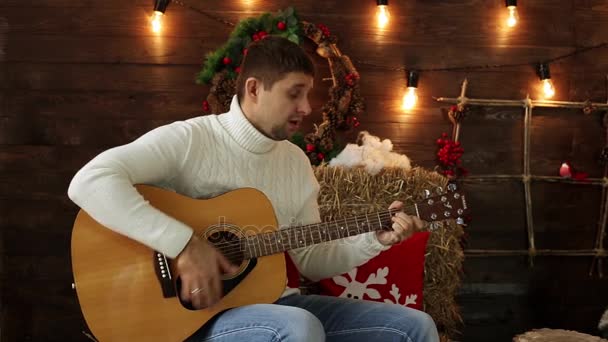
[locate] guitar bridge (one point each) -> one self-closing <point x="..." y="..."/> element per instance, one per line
<point x="163" y="273"/>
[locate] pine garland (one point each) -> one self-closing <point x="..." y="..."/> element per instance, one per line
<point x="230" y="55"/>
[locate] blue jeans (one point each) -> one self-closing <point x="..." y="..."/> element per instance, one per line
<point x="313" y="318"/>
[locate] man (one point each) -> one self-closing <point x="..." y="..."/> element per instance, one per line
<point x="247" y="147"/>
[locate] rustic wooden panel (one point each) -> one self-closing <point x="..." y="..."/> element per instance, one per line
<point x="52" y="316"/>
<point x="94" y="105"/>
<point x="414" y="21"/>
<point x="86" y="75"/>
<point x="560" y="135"/>
<point x="136" y="80"/>
<point x="36" y="186"/>
<point x="495" y="129"/>
<point x="502" y="297"/>
<point x="37" y="158"/>
<point x="179" y="50"/>
<point x="570" y="220"/>
<point x="51" y="216"/>
<point x="498" y="215"/>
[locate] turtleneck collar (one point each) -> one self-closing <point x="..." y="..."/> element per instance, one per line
<point x="243" y="132"/>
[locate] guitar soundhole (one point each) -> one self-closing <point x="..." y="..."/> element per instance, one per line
<point x="229" y="244"/>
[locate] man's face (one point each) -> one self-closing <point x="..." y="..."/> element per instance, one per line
<point x="281" y="109"/>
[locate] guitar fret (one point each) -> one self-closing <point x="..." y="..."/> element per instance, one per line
<point x="257" y="237"/>
<point x="277" y="240"/>
<point x="302" y="239"/>
<point x="312" y="239"/>
<point x="319" y="232"/>
<point x="267" y="245"/>
<point x="379" y="220"/>
<point x="298" y="243"/>
<point x="256" y="246"/>
<point x="289" y="239"/>
<point x="264" y="243"/>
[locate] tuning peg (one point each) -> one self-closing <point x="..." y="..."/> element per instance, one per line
<point x="439" y="190"/>
<point x="459" y="221"/>
<point x="452" y="187"/>
<point x="427" y="193"/>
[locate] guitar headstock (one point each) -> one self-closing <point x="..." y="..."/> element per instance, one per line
<point x="447" y="205"/>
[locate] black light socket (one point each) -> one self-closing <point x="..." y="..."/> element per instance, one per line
<point x="412" y="79"/>
<point x="543" y="71"/>
<point x="161" y="5"/>
<point x="510" y="3"/>
<point x="382" y="2"/>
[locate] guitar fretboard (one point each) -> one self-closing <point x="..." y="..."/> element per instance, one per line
<point x="307" y="235"/>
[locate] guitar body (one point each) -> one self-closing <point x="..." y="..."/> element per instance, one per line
<point x="118" y="283"/>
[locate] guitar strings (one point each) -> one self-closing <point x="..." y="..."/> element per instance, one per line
<point x="346" y="221"/>
<point x="234" y="248"/>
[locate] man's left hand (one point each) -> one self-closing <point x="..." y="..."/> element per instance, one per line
<point x="403" y="226"/>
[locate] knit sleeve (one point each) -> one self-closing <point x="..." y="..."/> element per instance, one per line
<point x="331" y="258"/>
<point x="104" y="187"/>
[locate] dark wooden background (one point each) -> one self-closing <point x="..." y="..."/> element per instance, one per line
<point x="80" y="76"/>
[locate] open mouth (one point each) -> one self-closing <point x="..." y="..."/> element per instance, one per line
<point x="294" y="124"/>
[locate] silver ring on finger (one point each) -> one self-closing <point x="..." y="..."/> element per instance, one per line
<point x="196" y="290"/>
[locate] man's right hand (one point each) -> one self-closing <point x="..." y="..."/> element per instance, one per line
<point x="200" y="267"/>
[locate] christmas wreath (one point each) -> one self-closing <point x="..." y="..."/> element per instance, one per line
<point x="345" y="103"/>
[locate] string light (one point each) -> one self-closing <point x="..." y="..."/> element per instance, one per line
<point x="513" y="17"/>
<point x="382" y="13"/>
<point x="410" y="98"/>
<point x="543" y="69"/>
<point x="545" y="77"/>
<point x="159" y="10"/>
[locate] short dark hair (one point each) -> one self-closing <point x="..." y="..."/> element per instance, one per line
<point x="270" y="59"/>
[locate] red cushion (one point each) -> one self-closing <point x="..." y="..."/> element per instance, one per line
<point x="394" y="276"/>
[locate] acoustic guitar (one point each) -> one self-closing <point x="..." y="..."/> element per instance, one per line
<point x="128" y="292"/>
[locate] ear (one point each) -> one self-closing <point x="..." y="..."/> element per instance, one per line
<point x="252" y="89"/>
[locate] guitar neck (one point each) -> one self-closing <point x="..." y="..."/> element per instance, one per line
<point x="307" y="235"/>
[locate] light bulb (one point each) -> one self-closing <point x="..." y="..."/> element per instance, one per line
<point x="548" y="88"/>
<point x="160" y="6"/>
<point x="512" y="21"/>
<point x="157" y="21"/>
<point x="383" y="15"/>
<point x="410" y="98"/>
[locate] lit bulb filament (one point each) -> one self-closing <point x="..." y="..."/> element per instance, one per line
<point x="383" y="15"/>
<point x="157" y="21"/>
<point x="512" y="21"/>
<point x="410" y="98"/>
<point x="548" y="88"/>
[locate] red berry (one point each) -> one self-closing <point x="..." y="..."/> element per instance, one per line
<point x="237" y="69"/>
<point x="227" y="60"/>
<point x="310" y="147"/>
<point x="320" y="156"/>
<point x="256" y="37"/>
<point x="281" y="25"/>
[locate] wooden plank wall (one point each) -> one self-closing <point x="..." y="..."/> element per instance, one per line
<point x="80" y="76"/>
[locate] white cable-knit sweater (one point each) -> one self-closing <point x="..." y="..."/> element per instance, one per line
<point x="201" y="158"/>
